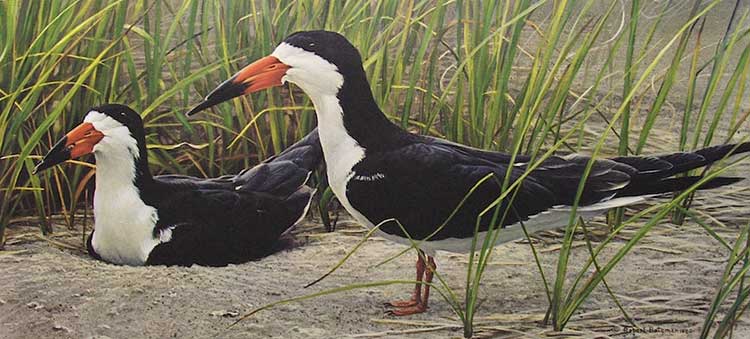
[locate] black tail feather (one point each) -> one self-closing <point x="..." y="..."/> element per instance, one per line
<point x="667" y="165"/>
<point x="683" y="162"/>
<point x="655" y="174"/>
<point x="673" y="185"/>
<point x="716" y="153"/>
<point x="285" y="173"/>
<point x="306" y="153"/>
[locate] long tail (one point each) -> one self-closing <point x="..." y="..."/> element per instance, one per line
<point x="653" y="175"/>
<point x="306" y="153"/>
<point x="287" y="172"/>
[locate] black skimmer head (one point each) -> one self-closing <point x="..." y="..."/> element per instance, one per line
<point x="124" y="186"/>
<point x="317" y="61"/>
<point x="110" y="130"/>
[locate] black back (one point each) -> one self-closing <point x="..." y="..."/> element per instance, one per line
<point x="234" y="218"/>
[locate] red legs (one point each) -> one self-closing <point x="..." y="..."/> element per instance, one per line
<point x="416" y="296"/>
<point x="418" y="301"/>
<point x="428" y="279"/>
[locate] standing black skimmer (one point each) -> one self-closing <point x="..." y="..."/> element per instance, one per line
<point x="379" y="171"/>
<point x="180" y="220"/>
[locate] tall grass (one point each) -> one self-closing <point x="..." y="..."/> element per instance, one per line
<point x="533" y="77"/>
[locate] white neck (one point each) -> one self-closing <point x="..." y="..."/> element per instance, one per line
<point x="124" y="224"/>
<point x="340" y="150"/>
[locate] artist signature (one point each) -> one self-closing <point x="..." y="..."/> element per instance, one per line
<point x="653" y="330"/>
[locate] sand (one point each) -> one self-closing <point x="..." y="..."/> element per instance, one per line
<point x="51" y="288"/>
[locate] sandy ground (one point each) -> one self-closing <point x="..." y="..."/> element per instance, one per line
<point x="665" y="284"/>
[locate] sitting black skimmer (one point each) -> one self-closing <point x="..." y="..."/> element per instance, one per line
<point x="180" y="220"/>
<point x="379" y="171"/>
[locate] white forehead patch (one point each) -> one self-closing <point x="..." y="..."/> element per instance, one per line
<point x="116" y="135"/>
<point x="298" y="57"/>
<point x="102" y="121"/>
<point x="315" y="75"/>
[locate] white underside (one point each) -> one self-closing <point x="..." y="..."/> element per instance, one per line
<point x="547" y="220"/>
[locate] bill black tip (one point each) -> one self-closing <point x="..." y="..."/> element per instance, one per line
<point x="203" y="105"/>
<point x="227" y="90"/>
<point x="58" y="154"/>
<point x="41" y="166"/>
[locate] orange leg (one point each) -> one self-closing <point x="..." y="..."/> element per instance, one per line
<point x="416" y="296"/>
<point x="419" y="305"/>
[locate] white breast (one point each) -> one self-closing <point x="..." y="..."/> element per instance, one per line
<point x="123" y="223"/>
<point x="340" y="150"/>
<point x="123" y="226"/>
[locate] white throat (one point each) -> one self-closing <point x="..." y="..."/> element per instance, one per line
<point x="123" y="223"/>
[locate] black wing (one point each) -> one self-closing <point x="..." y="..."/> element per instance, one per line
<point x="305" y="153"/>
<point x="422" y="183"/>
<point x="231" y="219"/>
<point x="498" y="158"/>
<point x="234" y="218"/>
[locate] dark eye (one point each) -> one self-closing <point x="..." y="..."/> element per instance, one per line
<point x="311" y="45"/>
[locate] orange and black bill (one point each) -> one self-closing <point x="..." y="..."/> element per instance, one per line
<point x="264" y="73"/>
<point x="78" y="142"/>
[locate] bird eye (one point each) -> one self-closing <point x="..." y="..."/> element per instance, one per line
<point x="311" y="45"/>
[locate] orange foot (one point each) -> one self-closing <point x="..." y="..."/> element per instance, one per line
<point x="418" y="302"/>
<point x="402" y="303"/>
<point x="408" y="310"/>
